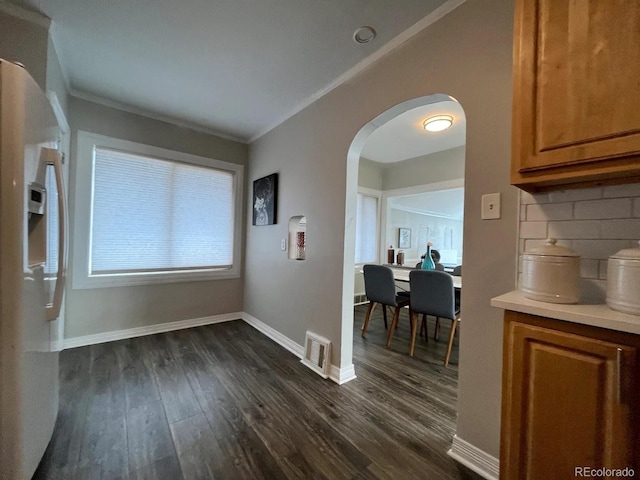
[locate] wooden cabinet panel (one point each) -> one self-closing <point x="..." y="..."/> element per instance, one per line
<point x="576" y="93"/>
<point x="569" y="400"/>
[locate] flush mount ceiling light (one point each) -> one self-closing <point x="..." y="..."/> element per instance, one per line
<point x="364" y="35"/>
<point x="438" y="123"/>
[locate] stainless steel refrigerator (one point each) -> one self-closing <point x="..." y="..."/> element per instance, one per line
<point x="32" y="270"/>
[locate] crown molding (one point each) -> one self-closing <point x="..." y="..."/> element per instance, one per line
<point x="91" y="97"/>
<point x="396" y="42"/>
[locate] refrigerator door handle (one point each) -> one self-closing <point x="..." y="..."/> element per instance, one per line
<point x="53" y="158"/>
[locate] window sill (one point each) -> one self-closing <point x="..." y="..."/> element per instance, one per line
<point x="155" y="278"/>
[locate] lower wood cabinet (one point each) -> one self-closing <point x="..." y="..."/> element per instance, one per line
<point x="570" y="399"/>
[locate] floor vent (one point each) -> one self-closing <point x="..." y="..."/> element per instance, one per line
<point x="359" y="299"/>
<point x="317" y="354"/>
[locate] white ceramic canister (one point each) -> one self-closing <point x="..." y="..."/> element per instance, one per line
<point x="623" y="281"/>
<point x="551" y="273"/>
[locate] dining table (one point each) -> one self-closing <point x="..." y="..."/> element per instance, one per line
<point x="402" y="275"/>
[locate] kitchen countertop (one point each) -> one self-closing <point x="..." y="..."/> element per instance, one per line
<point x="595" y="315"/>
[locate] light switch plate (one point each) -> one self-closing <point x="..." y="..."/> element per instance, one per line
<point x="283" y="244"/>
<point x="490" y="206"/>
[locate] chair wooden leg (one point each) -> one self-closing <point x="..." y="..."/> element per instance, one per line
<point x="413" y="317"/>
<point x="394" y="325"/>
<point x="367" y="317"/>
<point x="436" y="333"/>
<point x="454" y="323"/>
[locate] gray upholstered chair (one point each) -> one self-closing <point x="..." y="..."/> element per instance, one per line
<point x="457" y="271"/>
<point x="432" y="293"/>
<point x="380" y="288"/>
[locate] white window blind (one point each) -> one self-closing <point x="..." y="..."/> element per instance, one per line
<point x="366" y="228"/>
<point x="153" y="215"/>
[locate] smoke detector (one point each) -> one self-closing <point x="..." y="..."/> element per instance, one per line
<point x="364" y="35"/>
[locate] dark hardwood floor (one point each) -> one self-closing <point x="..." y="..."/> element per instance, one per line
<point x="223" y="401"/>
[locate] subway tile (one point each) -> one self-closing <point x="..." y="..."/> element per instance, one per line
<point x="533" y="230"/>
<point x="600" y="249"/>
<point x="531" y="244"/>
<point x="594" y="209"/>
<point x="621" y="229"/>
<point x="575" y="229"/>
<point x="636" y="207"/>
<point x="616" y="191"/>
<point x="575" y="195"/>
<point x="603" y="269"/>
<point x="550" y="211"/>
<point x="589" y="268"/>
<point x="592" y="291"/>
<point x="529" y="198"/>
<point x="523" y="213"/>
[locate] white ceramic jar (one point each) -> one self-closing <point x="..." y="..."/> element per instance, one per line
<point x="551" y="273"/>
<point x="623" y="281"/>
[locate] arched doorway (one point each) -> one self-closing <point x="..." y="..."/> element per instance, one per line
<point x="412" y="110"/>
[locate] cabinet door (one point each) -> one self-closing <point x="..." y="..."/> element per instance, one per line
<point x="576" y="88"/>
<point x="566" y="404"/>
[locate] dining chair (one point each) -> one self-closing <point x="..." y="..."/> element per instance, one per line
<point x="380" y="288"/>
<point x="432" y="293"/>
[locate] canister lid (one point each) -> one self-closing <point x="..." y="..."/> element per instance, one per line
<point x="550" y="248"/>
<point x="633" y="253"/>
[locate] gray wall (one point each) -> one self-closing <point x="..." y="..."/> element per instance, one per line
<point x="55" y="77"/>
<point x="403" y="219"/>
<point x="25" y="41"/>
<point x="432" y="168"/>
<point x="106" y="309"/>
<point x="467" y="55"/>
<point x="370" y="174"/>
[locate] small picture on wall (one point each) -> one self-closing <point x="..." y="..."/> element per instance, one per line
<point x="265" y="195"/>
<point x="404" y="238"/>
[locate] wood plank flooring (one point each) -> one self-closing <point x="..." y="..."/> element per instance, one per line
<point x="225" y="402"/>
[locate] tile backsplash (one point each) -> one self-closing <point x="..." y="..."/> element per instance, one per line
<point x="595" y="223"/>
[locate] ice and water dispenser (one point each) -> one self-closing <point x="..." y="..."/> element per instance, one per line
<point x="36" y="209"/>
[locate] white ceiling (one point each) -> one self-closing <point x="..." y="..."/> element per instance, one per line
<point x="404" y="137"/>
<point x="239" y="67"/>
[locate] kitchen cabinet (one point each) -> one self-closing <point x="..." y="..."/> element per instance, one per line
<point x="576" y="115"/>
<point x="570" y="399"/>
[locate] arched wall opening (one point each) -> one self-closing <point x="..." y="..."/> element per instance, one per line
<point x="352" y="187"/>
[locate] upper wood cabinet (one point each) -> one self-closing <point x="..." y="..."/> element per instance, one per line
<point x="576" y="105"/>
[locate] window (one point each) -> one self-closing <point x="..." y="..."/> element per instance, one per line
<point x="151" y="215"/>
<point x="366" y="228"/>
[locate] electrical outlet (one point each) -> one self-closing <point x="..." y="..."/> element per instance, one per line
<point x="490" y="206"/>
<point x="283" y="244"/>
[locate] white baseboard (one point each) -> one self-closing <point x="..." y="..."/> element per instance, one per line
<point x="276" y="336"/>
<point x="474" y="459"/>
<point x="338" y="375"/>
<point x="342" y="375"/>
<point x="148" y="330"/>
